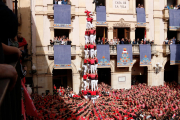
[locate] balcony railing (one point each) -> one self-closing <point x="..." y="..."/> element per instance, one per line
<point x="10" y="101"/>
<point x="135" y="49"/>
<point x="51" y="50"/>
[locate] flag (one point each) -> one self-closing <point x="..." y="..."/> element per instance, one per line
<point x="22" y="109"/>
<point x="30" y="108"/>
<point x="104" y="36"/>
<point x="145" y="35"/>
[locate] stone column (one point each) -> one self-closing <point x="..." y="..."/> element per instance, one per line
<point x="147" y="34"/>
<point x="76" y="82"/>
<point x="179" y="74"/>
<point x="165" y="30"/>
<point x="132" y="33"/>
<point x="110" y="33"/>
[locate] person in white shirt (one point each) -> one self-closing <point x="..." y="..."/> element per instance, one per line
<point x="59" y="2"/>
<point x="176" y="7"/>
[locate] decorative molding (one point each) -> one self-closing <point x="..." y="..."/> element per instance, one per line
<point x="110" y="29"/>
<point x="121" y="24"/>
<point x="132" y="29"/>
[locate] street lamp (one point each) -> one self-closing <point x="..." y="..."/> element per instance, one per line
<point x="157" y="68"/>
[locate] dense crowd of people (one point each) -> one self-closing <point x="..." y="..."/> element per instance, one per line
<point x="172" y="7"/>
<point x="141" y="102"/>
<point x="63" y="2"/>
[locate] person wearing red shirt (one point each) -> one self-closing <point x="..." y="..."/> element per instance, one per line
<point x="84" y="79"/>
<point x="89" y="22"/>
<point x="87" y="36"/>
<point x="89" y="64"/>
<point x="93" y="82"/>
<point x="92" y="62"/>
<point x="86" y="50"/>
<point x="91" y="32"/>
<point x="91" y="47"/>
<point x="54" y="87"/>
<point x="87" y="12"/>
<point x="85" y="65"/>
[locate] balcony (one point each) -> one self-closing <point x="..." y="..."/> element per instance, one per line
<point x="135" y="49"/>
<point x="10" y="101"/>
<point x="51" y="50"/>
<point x="50" y="10"/>
<point x="166" y="14"/>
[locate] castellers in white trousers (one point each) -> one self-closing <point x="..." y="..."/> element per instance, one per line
<point x="93" y="82"/>
<point x="86" y="53"/>
<point x="85" y="68"/>
<point x="92" y="53"/>
<point x="85" y="84"/>
<point x="92" y="69"/>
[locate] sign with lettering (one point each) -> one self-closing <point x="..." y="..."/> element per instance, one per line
<point x="121" y="4"/>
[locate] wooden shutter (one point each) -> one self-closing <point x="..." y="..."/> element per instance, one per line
<point x="126" y="33"/>
<point x="115" y="31"/>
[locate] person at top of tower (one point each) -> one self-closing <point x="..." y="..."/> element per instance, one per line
<point x="87" y="12"/>
<point x="89" y="22"/>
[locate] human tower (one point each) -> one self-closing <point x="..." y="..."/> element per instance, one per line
<point x="90" y="61"/>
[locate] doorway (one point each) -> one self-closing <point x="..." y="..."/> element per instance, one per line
<point x="139" y="74"/>
<point x="171" y="34"/>
<point x="141" y="2"/>
<point x="104" y="75"/>
<point x="121" y="33"/>
<point x="100" y="32"/>
<point x="62" y="77"/>
<point x="101" y="3"/>
<point x="172" y="2"/>
<point x="170" y="72"/>
<point x="61" y="32"/>
<point x="140" y="33"/>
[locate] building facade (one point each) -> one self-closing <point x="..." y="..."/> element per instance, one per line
<point x="121" y="22"/>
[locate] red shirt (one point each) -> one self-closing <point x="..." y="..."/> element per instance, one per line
<point x="91" y="32"/>
<point x="96" y="61"/>
<point x="91" y="20"/>
<point x="93" y="92"/>
<point x="84" y="77"/>
<point x="85" y="47"/>
<point x="94" y="31"/>
<point x="92" y="61"/>
<point x="89" y="61"/>
<point x="87" y="12"/>
<point x="86" y="32"/>
<point x="89" y="76"/>
<point x="85" y="92"/>
<point x="94" y="47"/>
<point x="93" y="76"/>
<point x="96" y="77"/>
<point x="23" y="43"/>
<point x="91" y="46"/>
<point x="55" y="87"/>
<point x="85" y="61"/>
<point x="88" y="19"/>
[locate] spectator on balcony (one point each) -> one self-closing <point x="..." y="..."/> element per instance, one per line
<point x="59" y="2"/>
<point x="64" y="2"/>
<point x="174" y="40"/>
<point x="56" y="2"/>
<point x="139" y="6"/>
<point x="118" y="42"/>
<point x="129" y="41"/>
<point x="171" y="7"/>
<point x="176" y="7"/>
<point x="14" y="42"/>
<point x="51" y="42"/>
<point x="152" y="42"/>
<point x="111" y="42"/>
<point x="142" y="42"/>
<point x="179" y="6"/>
<point x="106" y="41"/>
<point x="148" y="41"/>
<point x="9" y="25"/>
<point x="166" y="41"/>
<point x="166" y="7"/>
<point x="134" y="42"/>
<point x="142" y="6"/>
<point x="69" y="41"/>
<point x="99" y="41"/>
<point x="122" y="41"/>
<point x="138" y="42"/>
<point x="69" y="2"/>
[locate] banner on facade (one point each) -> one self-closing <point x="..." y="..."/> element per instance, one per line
<point x="62" y="56"/>
<point x="145" y="55"/>
<point x="121" y="4"/>
<point x="141" y="17"/>
<point x="174" y="19"/>
<point x="62" y="15"/>
<point x="103" y="55"/>
<point x="101" y="15"/>
<point x="124" y="56"/>
<point x="175" y="54"/>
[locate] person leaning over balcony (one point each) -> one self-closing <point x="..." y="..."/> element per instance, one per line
<point x="138" y="42"/>
<point x="134" y="42"/>
<point x="51" y="42"/>
<point x="106" y="41"/>
<point x="129" y="41"/>
<point x="69" y="41"/>
<point x="56" y="1"/>
<point x="148" y="41"/>
<point x="122" y="41"/>
<point x="166" y="7"/>
<point x="7" y="21"/>
<point x="166" y="41"/>
<point x="171" y="7"/>
<point x="142" y="6"/>
<point x="174" y="40"/>
<point x="64" y="2"/>
<point x="59" y="2"/>
<point x="139" y="6"/>
<point x="176" y="7"/>
<point x="99" y="41"/>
